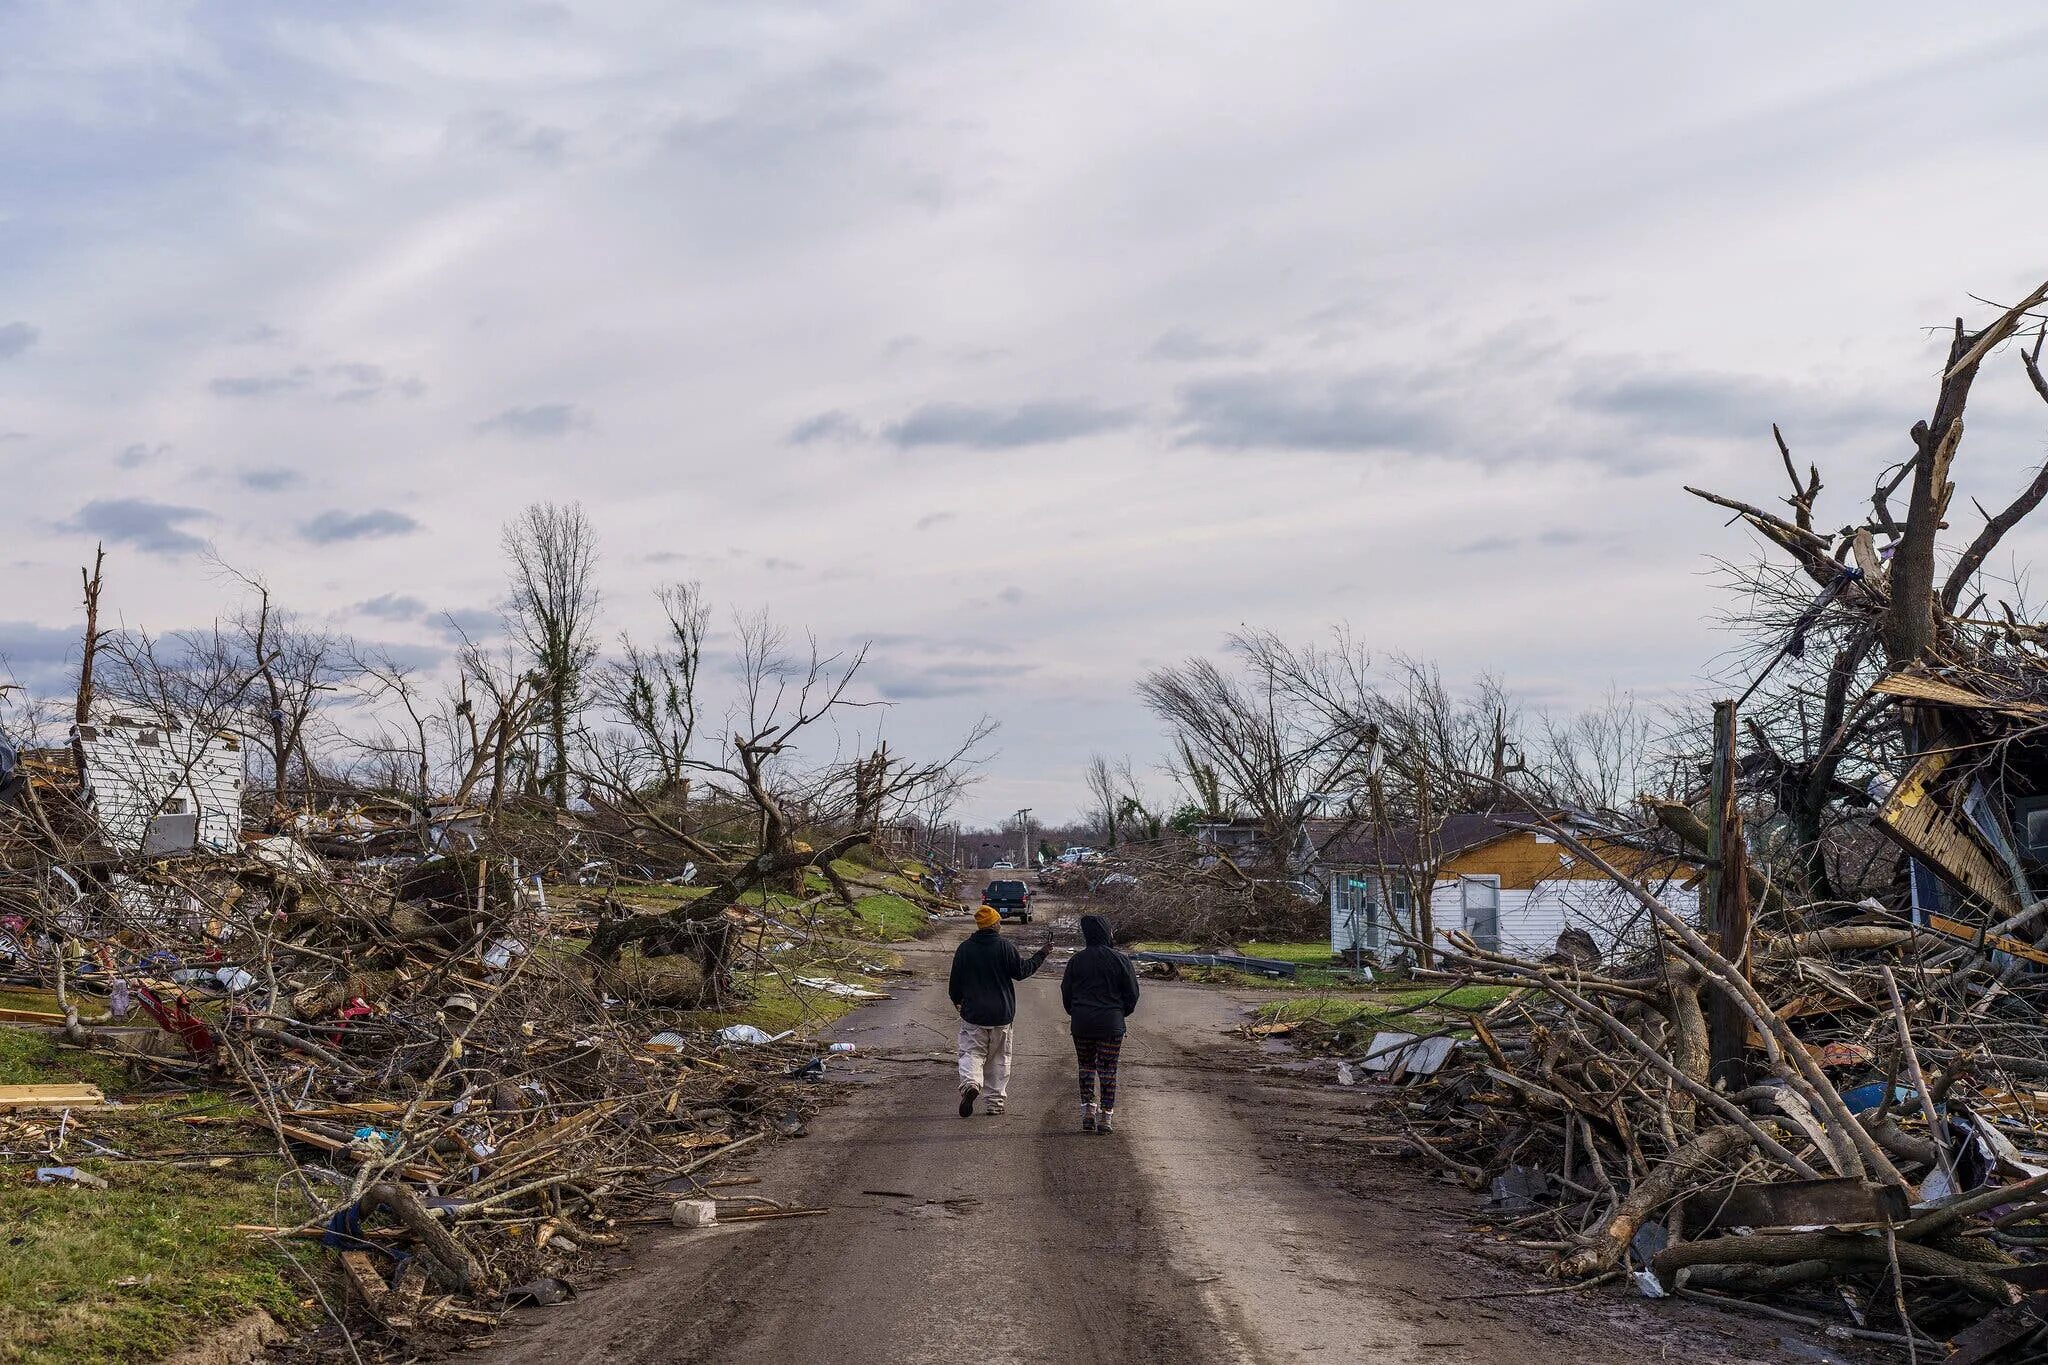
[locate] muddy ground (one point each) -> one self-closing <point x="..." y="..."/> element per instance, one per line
<point x="1219" y="1224"/>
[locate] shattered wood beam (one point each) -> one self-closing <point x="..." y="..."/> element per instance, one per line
<point x="1728" y="878"/>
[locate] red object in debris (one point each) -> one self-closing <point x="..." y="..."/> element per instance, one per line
<point x="177" y="1018"/>
<point x="355" y="1009"/>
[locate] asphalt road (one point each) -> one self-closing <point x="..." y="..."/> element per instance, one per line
<point x="1019" y="1238"/>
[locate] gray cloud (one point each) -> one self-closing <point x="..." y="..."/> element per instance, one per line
<point x="424" y="658"/>
<point x="1559" y="538"/>
<point x="498" y="131"/>
<point x="37" y="657"/>
<point x="260" y="385"/>
<point x="1011" y="596"/>
<point x="364" y="381"/>
<point x="269" y="478"/>
<point x="912" y="682"/>
<point x="1699" y="403"/>
<point x="333" y="527"/>
<point x="931" y="519"/>
<point x="1368" y="410"/>
<point x="140" y="454"/>
<point x="826" y="426"/>
<point x="391" y="607"/>
<point x="1184" y="343"/>
<point x="155" y="527"/>
<point x="15" y="338"/>
<point x="542" y="419"/>
<point x="471" y="622"/>
<point x="997" y="427"/>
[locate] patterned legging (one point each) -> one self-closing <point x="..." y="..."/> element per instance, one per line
<point x="1098" y="1058"/>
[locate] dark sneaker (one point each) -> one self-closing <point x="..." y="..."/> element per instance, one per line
<point x="995" y="1107"/>
<point x="1107" y="1122"/>
<point x="1087" y="1118"/>
<point x="968" y="1095"/>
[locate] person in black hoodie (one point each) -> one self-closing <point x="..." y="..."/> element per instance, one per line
<point x="986" y="968"/>
<point x="1100" y="989"/>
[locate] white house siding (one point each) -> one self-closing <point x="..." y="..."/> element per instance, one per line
<point x="1531" y="920"/>
<point x="135" y="769"/>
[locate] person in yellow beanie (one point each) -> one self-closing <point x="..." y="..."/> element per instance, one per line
<point x="986" y="968"/>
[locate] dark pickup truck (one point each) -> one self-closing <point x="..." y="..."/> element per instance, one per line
<point x="1011" y="899"/>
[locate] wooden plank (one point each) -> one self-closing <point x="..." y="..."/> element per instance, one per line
<point x="1919" y="687"/>
<point x="14" y="1016"/>
<point x="1955" y="928"/>
<point x="1915" y="820"/>
<point x="49" y="1096"/>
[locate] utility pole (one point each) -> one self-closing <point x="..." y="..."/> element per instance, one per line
<point x="1024" y="838"/>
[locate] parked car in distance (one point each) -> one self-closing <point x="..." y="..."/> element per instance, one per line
<point x="1003" y="865"/>
<point x="1011" y="899"/>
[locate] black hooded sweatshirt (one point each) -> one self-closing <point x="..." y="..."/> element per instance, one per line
<point x="985" y="967"/>
<point x="1100" y="986"/>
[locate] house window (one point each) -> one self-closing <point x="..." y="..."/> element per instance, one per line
<point x="173" y="805"/>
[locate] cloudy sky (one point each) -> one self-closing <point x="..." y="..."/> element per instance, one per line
<point x="1038" y="343"/>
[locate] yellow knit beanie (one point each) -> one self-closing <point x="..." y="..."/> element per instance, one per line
<point x="987" y="917"/>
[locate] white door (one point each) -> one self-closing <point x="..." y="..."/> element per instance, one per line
<point x="1480" y="899"/>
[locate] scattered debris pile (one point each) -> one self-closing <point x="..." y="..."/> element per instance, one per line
<point x="467" y="1104"/>
<point x="1846" y="1112"/>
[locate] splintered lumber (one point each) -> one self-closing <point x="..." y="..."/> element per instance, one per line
<point x="56" y="1096"/>
<point x="2003" y="943"/>
<point x="1916" y="820"/>
<point x="1920" y="687"/>
<point x="15" y="1016"/>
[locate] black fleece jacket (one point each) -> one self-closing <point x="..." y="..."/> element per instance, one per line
<point x="985" y="966"/>
<point x="1100" y="987"/>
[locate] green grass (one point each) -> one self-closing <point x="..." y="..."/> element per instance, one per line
<point x="1316" y="970"/>
<point x="32" y="1057"/>
<point x="134" y="1271"/>
<point x="778" y="1003"/>
<point x="29" y="998"/>
<point x="891" y="918"/>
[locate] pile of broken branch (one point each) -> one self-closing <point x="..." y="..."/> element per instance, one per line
<point x="1882" y="1141"/>
<point x="466" y="1105"/>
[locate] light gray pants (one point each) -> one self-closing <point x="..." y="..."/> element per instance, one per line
<point x="985" y="1059"/>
